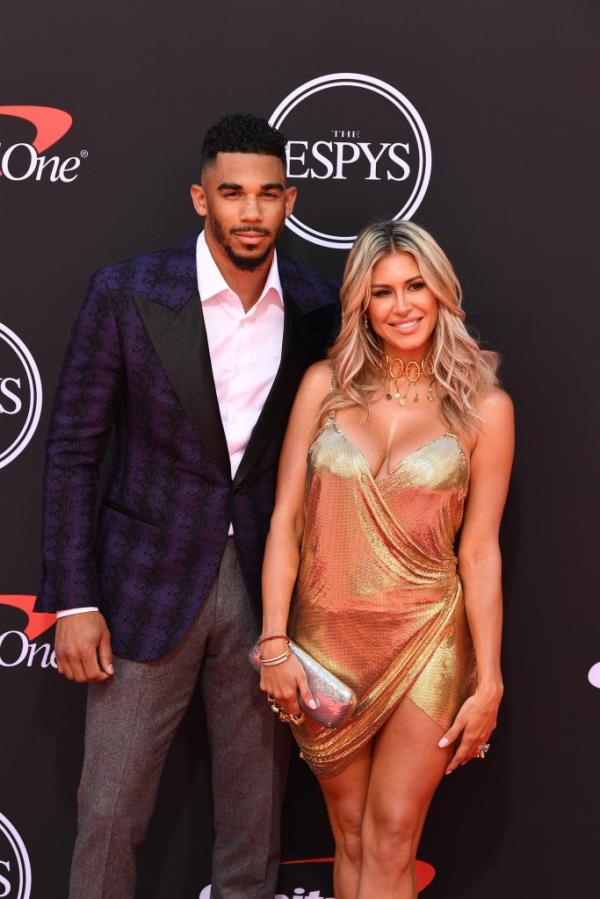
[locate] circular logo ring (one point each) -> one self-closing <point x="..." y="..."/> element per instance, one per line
<point x="367" y="82"/>
<point x="21" y="857"/>
<point x="35" y="394"/>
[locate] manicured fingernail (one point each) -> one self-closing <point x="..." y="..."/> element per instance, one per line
<point x="313" y="704"/>
<point x="111" y="670"/>
<point x="443" y="743"/>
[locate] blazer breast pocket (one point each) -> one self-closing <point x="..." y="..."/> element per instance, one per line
<point x="117" y="507"/>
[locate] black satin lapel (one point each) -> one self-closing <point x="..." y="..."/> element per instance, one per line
<point x="281" y="396"/>
<point x="179" y="338"/>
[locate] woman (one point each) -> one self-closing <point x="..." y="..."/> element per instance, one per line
<point x="385" y="443"/>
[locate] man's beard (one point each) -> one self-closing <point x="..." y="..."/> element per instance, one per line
<point x="244" y="263"/>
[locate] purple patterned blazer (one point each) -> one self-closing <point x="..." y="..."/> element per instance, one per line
<point x="139" y="362"/>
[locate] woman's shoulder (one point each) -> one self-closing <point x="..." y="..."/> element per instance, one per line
<point x="318" y="377"/>
<point x="495" y="414"/>
<point x="495" y="404"/>
<point x="314" y="387"/>
<point x="497" y="419"/>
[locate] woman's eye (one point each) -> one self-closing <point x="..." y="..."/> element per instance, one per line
<point x="381" y="293"/>
<point x="417" y="285"/>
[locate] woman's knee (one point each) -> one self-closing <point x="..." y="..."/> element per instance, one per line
<point x="389" y="839"/>
<point x="349" y="834"/>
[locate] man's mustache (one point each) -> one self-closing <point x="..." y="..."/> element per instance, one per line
<point x="253" y="229"/>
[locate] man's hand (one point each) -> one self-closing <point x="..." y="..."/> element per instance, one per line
<point x="82" y="645"/>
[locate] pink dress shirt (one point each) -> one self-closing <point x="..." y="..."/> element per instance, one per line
<point x="245" y="348"/>
<point x="245" y="352"/>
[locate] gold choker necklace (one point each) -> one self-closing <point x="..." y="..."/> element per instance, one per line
<point x="396" y="368"/>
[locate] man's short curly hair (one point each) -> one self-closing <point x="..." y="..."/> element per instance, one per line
<point x="242" y="133"/>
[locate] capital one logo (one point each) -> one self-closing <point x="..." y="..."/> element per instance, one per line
<point x="20" y="396"/>
<point x="28" y="160"/>
<point x="357" y="150"/>
<point x="21" y="648"/>
<point x="15" y="868"/>
<point x="310" y="870"/>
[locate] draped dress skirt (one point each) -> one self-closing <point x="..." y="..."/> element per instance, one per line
<point x="378" y="600"/>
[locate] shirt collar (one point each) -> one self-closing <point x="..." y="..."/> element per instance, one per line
<point x="211" y="282"/>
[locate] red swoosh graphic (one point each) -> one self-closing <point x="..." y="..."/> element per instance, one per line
<point x="37" y="622"/>
<point x="50" y="124"/>
<point x="425" y="871"/>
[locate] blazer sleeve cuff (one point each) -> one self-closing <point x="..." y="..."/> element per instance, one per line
<point x="68" y="585"/>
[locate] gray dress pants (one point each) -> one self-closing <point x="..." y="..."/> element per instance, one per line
<point x="131" y="721"/>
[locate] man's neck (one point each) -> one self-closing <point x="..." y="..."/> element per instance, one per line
<point x="248" y="285"/>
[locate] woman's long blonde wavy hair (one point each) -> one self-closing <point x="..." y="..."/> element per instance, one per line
<point x="463" y="370"/>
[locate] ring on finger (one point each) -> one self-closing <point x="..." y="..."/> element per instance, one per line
<point x="482" y="750"/>
<point x="297" y="719"/>
<point x="272" y="704"/>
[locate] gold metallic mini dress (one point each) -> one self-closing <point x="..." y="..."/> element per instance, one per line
<point x="378" y="600"/>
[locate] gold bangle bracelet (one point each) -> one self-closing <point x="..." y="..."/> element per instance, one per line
<point x="273" y="658"/>
<point x="277" y="660"/>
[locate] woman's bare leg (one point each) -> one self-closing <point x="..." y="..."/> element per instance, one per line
<point x="406" y="768"/>
<point x="345" y="797"/>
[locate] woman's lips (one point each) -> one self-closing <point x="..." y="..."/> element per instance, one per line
<point x="406" y="327"/>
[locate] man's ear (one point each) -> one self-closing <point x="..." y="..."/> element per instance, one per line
<point x="198" y="196"/>
<point x="290" y="198"/>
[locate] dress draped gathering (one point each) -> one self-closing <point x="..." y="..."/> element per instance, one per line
<point x="378" y="600"/>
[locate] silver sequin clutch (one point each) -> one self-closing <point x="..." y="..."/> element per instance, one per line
<point x="336" y="700"/>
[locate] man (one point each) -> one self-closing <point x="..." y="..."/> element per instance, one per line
<point x="193" y="355"/>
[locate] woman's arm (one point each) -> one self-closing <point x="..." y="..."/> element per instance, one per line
<point x="480" y="571"/>
<point x="282" y="552"/>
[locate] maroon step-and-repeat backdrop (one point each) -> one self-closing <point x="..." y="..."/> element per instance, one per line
<point x="478" y="120"/>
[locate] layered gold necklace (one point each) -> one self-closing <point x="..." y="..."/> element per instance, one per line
<point x="396" y="369"/>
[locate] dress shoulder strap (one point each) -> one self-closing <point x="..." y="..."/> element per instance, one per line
<point x="334" y="386"/>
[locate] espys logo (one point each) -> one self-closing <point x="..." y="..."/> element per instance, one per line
<point x="594" y="675"/>
<point x="358" y="148"/>
<point x="20" y="396"/>
<point x="311" y="871"/>
<point x="15" y="868"/>
<point x="26" y="160"/>
<point x="19" y="648"/>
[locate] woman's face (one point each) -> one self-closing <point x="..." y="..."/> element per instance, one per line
<point x="402" y="310"/>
